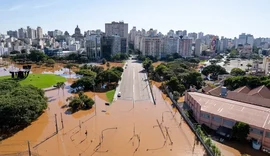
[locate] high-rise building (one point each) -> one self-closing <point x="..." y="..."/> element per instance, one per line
<point x="151" y="46"/>
<point x="31" y="33"/>
<point x="250" y="39"/>
<point x="93" y="46"/>
<point x="110" y="45"/>
<point x="51" y="33"/>
<point x="198" y="47"/>
<point x="39" y="33"/>
<point x="242" y="39"/>
<point x="13" y="33"/>
<point x="170" y="45"/>
<point x="117" y="28"/>
<point x="192" y="36"/>
<point x="132" y="35"/>
<point x="184" y="33"/>
<point x="185" y="47"/>
<point x="22" y="33"/>
<point x="179" y="33"/>
<point x="200" y="35"/>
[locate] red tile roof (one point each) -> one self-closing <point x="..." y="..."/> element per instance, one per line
<point x="235" y="110"/>
<point x="261" y="91"/>
<point x="243" y="89"/>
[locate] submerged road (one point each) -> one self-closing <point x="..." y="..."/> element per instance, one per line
<point x="134" y="84"/>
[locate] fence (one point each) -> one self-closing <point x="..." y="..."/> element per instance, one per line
<point x="190" y="124"/>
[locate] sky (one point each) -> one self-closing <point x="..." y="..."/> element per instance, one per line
<point x="227" y="18"/>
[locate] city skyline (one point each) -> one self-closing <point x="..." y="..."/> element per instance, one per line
<point x="207" y="16"/>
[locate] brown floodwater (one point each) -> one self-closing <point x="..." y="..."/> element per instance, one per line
<point x="118" y="129"/>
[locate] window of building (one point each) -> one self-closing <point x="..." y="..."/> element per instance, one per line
<point x="256" y="131"/>
<point x="216" y="118"/>
<point x="205" y="115"/>
<point x="229" y="123"/>
<point x="267" y="134"/>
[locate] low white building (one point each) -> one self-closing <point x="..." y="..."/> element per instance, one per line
<point x="4" y="51"/>
<point x="74" y="47"/>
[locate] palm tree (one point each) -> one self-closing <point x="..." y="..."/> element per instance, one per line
<point x="60" y="85"/>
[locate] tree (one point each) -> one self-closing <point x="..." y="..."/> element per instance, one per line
<point x="86" y="83"/>
<point x="19" y="106"/>
<point x="249" y="65"/>
<point x="175" y="85"/>
<point x="23" y="51"/>
<point x="215" y="70"/>
<point x="79" y="102"/>
<point x="176" y="95"/>
<point x="237" y="72"/>
<point x="147" y="64"/>
<point x="240" y="131"/>
<point x="15" y="52"/>
<point x="36" y="56"/>
<point x="86" y="72"/>
<point x="70" y="65"/>
<point x="60" y="85"/>
<point x="50" y="62"/>
<point x="104" y="61"/>
<point x="234" y="53"/>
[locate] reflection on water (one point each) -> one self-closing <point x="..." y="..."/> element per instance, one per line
<point x="58" y="69"/>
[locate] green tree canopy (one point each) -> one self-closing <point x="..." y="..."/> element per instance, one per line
<point x="37" y="56"/>
<point x="147" y="64"/>
<point x="86" y="83"/>
<point x="19" y="106"/>
<point x="240" y="131"/>
<point x="215" y="70"/>
<point x="237" y="72"/>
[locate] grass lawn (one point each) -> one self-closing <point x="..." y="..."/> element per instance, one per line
<point x="110" y="95"/>
<point x="39" y="80"/>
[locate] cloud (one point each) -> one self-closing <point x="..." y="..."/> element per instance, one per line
<point x="15" y="7"/>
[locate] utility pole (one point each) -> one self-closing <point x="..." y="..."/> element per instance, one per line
<point x="56" y="126"/>
<point x="29" y="150"/>
<point x="62" y="121"/>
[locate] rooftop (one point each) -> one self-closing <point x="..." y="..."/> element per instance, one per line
<point x="239" y="111"/>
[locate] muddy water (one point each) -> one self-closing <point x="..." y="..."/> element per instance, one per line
<point x="121" y="130"/>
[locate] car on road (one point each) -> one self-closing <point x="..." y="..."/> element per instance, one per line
<point x="119" y="94"/>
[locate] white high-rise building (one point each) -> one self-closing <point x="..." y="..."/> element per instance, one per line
<point x="117" y="28"/>
<point x="31" y="33"/>
<point x="250" y="39"/>
<point x="198" y="47"/>
<point x="39" y="33"/>
<point x="170" y="45"/>
<point x="132" y="34"/>
<point x="193" y="36"/>
<point x="242" y="39"/>
<point x="151" y="46"/>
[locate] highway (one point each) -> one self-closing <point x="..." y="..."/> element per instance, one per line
<point x="134" y="85"/>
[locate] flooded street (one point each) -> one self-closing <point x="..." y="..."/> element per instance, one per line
<point x="121" y="130"/>
<point x="126" y="127"/>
